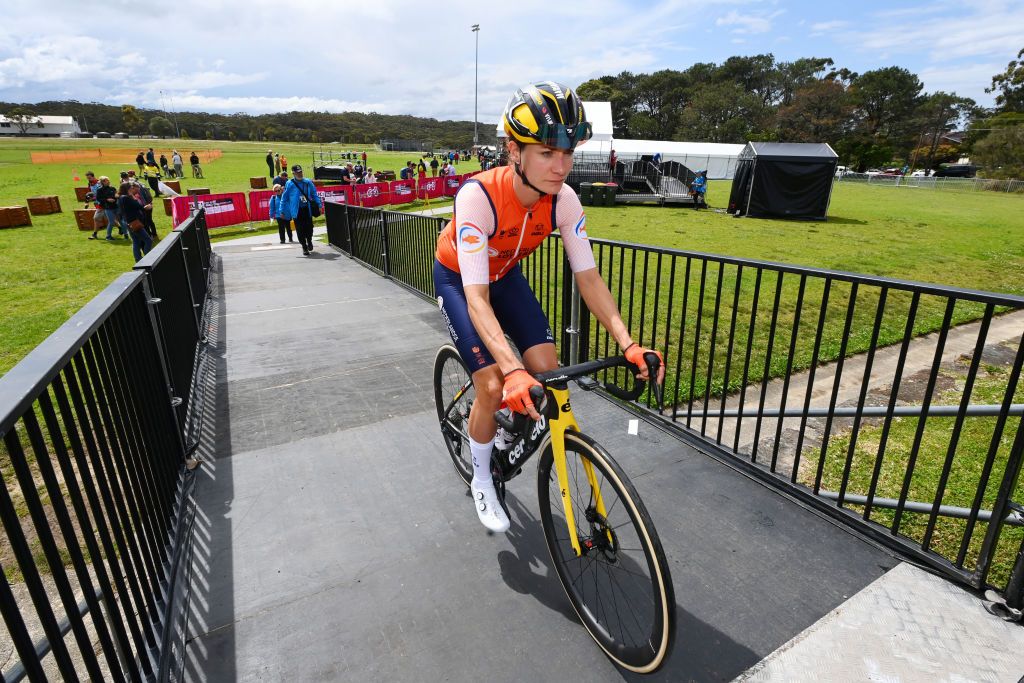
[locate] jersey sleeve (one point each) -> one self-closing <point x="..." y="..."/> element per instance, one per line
<point x="571" y="223"/>
<point x="474" y="224"/>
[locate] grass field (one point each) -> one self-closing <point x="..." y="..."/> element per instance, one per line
<point x="50" y="270"/>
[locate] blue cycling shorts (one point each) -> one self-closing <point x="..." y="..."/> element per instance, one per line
<point x="516" y="308"/>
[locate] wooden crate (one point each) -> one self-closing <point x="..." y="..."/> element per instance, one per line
<point x="80" y="193"/>
<point x="258" y="182"/>
<point x="199" y="190"/>
<point x="83" y="219"/>
<point x="168" y="206"/>
<point x="14" y="216"/>
<point x="41" y="206"/>
<point x="174" y="185"/>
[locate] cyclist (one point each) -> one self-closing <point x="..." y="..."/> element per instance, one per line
<point x="501" y="216"/>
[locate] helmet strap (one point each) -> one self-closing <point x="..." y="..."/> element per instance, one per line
<point x="522" y="176"/>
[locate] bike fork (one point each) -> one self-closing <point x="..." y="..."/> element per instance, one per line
<point x="558" y="426"/>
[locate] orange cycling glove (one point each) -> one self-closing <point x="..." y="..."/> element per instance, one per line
<point x="634" y="353"/>
<point x="516" y="392"/>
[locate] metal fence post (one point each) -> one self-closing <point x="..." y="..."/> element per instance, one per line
<point x="570" y="314"/>
<point x="1015" y="587"/>
<point x="384" y="243"/>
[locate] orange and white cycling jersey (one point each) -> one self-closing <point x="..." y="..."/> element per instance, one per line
<point x="491" y="231"/>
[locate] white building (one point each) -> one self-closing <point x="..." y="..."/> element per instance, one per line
<point x="41" y="126"/>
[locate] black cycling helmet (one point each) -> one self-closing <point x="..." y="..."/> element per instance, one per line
<point x="546" y="113"/>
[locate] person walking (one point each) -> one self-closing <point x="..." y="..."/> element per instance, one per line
<point x="270" y="163"/>
<point x="283" y="226"/>
<point x="299" y="201"/>
<point x="197" y="171"/>
<point x="698" y="189"/>
<point x="94" y="186"/>
<point x="151" y="157"/>
<point x="281" y="179"/>
<point x="140" y="161"/>
<point x="163" y="165"/>
<point x="147" y="201"/>
<point x="152" y="176"/>
<point x="132" y="208"/>
<point x="177" y="163"/>
<point x="277" y="164"/>
<point x="433" y="166"/>
<point x="106" y="197"/>
<point x="284" y="163"/>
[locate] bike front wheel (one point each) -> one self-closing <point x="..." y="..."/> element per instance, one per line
<point x="453" y="396"/>
<point x="620" y="585"/>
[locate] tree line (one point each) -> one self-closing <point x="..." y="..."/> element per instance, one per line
<point x="295" y="126"/>
<point x="876" y="118"/>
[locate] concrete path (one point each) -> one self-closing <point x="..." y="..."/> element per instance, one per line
<point x="334" y="541"/>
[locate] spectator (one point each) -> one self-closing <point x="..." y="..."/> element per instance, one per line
<point x="270" y="163"/>
<point x="612" y="160"/>
<point x="456" y="157"/>
<point x="163" y="166"/>
<point x="106" y="197"/>
<point x="197" y="172"/>
<point x="433" y="165"/>
<point x="177" y="163"/>
<point x="346" y="175"/>
<point x="281" y="179"/>
<point x="699" y="188"/>
<point x="140" y="161"/>
<point x="283" y="226"/>
<point x="277" y="164"/>
<point x="98" y="215"/>
<point x="134" y="211"/>
<point x="657" y="158"/>
<point x="364" y="159"/>
<point x="370" y="176"/>
<point x="150" y="157"/>
<point x="152" y="176"/>
<point x="284" y="163"/>
<point x="297" y="202"/>
<point x="421" y="170"/>
<point x="147" y="200"/>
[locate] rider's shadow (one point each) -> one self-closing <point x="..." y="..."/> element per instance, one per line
<point x="528" y="570"/>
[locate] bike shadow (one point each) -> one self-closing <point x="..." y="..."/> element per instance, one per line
<point x="700" y="651"/>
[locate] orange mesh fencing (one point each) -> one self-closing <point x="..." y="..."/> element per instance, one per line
<point x="114" y="156"/>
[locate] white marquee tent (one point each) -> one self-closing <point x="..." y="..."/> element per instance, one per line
<point x="718" y="159"/>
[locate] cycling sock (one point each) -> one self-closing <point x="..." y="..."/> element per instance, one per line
<point x="481" y="453"/>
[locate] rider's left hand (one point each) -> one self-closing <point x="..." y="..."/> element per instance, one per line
<point x="634" y="353"/>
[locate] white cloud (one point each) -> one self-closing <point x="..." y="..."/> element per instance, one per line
<point x="747" y="23"/>
<point x="826" y="26"/>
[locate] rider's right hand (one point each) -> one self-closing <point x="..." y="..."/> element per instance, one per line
<point x="516" y="392"/>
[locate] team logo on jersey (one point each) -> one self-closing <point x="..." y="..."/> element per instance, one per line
<point x="581" y="228"/>
<point x="492" y="252"/>
<point x="471" y="238"/>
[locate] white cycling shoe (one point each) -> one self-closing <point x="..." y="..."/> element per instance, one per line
<point x="488" y="509"/>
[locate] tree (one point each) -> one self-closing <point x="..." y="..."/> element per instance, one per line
<point x="886" y="101"/>
<point x="159" y="125"/>
<point x="798" y="74"/>
<point x="1010" y="86"/>
<point x="938" y="114"/>
<point x="820" y="112"/>
<point x="660" y="98"/>
<point x="24" y="119"/>
<point x="132" y="119"/>
<point x="184" y="134"/>
<point x="721" y="112"/>
<point x="1001" y="152"/>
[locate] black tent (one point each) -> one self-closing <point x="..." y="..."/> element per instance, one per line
<point x="783" y="180"/>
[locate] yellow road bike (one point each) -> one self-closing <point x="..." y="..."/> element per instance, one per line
<point x="603" y="545"/>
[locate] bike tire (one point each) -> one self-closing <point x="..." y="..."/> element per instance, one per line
<point x="652" y="600"/>
<point x="449" y="375"/>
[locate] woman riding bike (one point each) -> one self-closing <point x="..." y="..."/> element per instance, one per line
<point x="501" y="216"/>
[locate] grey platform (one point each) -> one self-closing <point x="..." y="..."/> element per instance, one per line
<point x="335" y="542"/>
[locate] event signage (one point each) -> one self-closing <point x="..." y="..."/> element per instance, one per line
<point x="259" y="200"/>
<point x="430" y="188"/>
<point x="221" y="209"/>
<point x="452" y="184"/>
<point x="373" y="194"/>
<point x="402" y="191"/>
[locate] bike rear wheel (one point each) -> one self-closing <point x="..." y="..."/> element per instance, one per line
<point x="620" y="586"/>
<point x="450" y="378"/>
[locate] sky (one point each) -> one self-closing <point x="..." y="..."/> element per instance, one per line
<point x="417" y="58"/>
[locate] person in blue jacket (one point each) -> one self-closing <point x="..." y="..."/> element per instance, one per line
<point x="297" y="202"/>
<point x="283" y="226"/>
<point x="699" y="188"/>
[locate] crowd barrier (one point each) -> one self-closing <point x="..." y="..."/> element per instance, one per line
<point x="231" y="208"/>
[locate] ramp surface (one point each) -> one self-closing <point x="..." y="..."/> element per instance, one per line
<point x="335" y="542"/>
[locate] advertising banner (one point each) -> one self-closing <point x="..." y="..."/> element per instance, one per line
<point x="373" y="194"/>
<point x="430" y="188"/>
<point x="403" y="191"/>
<point x="221" y="209"/>
<point x="259" y="205"/>
<point x="452" y="184"/>
<point x="339" y="194"/>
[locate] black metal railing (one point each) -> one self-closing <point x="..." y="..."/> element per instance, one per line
<point x="95" y="494"/>
<point x="893" y="406"/>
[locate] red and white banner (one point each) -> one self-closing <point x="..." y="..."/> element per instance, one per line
<point x="452" y="184"/>
<point x="403" y="191"/>
<point x="373" y="194"/>
<point x="221" y="209"/>
<point x="259" y="205"/>
<point x="339" y="194"/>
<point x="430" y="188"/>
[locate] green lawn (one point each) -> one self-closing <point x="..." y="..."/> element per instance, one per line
<point x="50" y="270"/>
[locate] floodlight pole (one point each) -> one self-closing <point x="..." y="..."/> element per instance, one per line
<point x="476" y="80"/>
